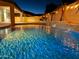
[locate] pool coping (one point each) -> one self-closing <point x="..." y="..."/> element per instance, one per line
<point x="4" y="25"/>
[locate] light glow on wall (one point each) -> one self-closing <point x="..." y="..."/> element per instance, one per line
<point x="72" y="7"/>
<point x="67" y="7"/>
<point x="76" y="5"/>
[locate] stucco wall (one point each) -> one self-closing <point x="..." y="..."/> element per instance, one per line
<point x="33" y="19"/>
<point x="71" y="14"/>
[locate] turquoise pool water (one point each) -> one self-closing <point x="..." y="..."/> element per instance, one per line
<point x="36" y="44"/>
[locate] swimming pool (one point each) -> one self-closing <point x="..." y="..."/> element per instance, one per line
<point x="37" y="44"/>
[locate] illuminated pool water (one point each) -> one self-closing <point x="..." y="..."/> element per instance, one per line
<point x="34" y="44"/>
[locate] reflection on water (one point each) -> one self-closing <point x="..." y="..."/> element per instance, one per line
<point x="66" y="34"/>
<point x="28" y="44"/>
<point x="4" y="32"/>
<point x="38" y="44"/>
<point x="68" y="37"/>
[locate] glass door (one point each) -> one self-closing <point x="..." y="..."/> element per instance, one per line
<point x="4" y="14"/>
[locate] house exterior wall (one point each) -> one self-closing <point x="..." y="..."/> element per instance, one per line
<point x="71" y="14"/>
<point x="32" y="19"/>
<point x="3" y="3"/>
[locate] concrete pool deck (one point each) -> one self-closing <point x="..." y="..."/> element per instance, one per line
<point x="4" y="25"/>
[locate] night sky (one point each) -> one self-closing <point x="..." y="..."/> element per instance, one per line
<point x="35" y="6"/>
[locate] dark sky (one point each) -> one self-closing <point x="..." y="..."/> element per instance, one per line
<point x="35" y="6"/>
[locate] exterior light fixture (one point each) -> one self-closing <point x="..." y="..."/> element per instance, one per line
<point x="76" y="5"/>
<point x="67" y="7"/>
<point x="72" y="7"/>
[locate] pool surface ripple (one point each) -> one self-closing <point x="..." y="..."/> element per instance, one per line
<point x="34" y="44"/>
